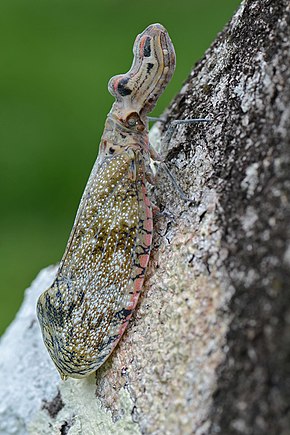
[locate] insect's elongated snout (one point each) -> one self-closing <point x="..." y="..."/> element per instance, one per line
<point x="152" y="68"/>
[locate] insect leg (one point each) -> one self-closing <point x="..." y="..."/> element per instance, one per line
<point x="175" y="184"/>
<point x="165" y="141"/>
<point x="169" y="132"/>
<point x="151" y="175"/>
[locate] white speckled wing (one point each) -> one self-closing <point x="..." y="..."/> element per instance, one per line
<point x="87" y="308"/>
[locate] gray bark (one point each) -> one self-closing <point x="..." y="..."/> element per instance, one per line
<point x="207" y="351"/>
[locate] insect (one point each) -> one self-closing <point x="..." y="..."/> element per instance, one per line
<point x="86" y="310"/>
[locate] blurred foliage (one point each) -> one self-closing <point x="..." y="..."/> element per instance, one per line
<point x="57" y="57"/>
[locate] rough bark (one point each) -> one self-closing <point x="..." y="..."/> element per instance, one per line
<point x="207" y="351"/>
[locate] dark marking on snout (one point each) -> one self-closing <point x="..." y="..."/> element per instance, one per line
<point x="149" y="67"/>
<point x="147" y="47"/>
<point x="122" y="89"/>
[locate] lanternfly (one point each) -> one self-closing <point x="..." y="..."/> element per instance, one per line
<point x="86" y="310"/>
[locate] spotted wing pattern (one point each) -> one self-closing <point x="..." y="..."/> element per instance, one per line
<point x="85" y="311"/>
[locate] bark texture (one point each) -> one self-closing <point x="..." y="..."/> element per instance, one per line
<point x="207" y="351"/>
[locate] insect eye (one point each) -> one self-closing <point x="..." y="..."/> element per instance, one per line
<point x="132" y="122"/>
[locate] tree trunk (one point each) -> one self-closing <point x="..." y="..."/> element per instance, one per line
<point x="207" y="351"/>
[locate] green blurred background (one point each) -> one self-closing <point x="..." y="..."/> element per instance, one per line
<point x="56" y="59"/>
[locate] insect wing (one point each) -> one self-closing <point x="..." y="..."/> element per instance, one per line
<point x="86" y="310"/>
